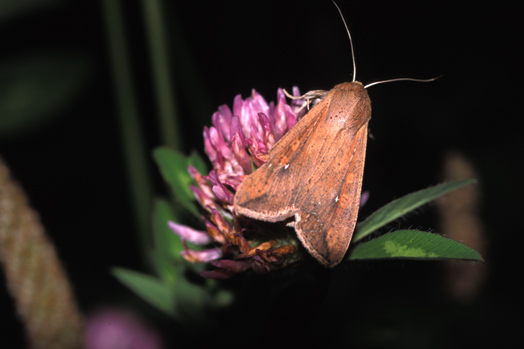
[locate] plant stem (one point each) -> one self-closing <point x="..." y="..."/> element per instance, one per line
<point x="132" y="138"/>
<point x="162" y="74"/>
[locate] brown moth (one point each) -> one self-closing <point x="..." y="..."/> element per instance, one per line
<point x="314" y="172"/>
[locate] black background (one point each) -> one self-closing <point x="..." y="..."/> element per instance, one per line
<point x="73" y="171"/>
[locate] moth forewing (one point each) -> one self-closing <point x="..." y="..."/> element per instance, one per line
<point x="314" y="173"/>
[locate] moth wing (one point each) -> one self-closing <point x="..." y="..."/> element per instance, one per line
<point x="315" y="173"/>
<point x="269" y="193"/>
<point x="328" y="213"/>
<point x="327" y="194"/>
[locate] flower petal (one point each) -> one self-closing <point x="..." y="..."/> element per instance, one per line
<point x="269" y="137"/>
<point x="217" y="274"/>
<point x="238" y="145"/>
<point x="257" y="131"/>
<point x="364" y="198"/>
<point x="202" y="198"/>
<point x="297" y="104"/>
<point x="258" y="102"/>
<point x="213" y="232"/>
<point x="222" y="225"/>
<point x="218" y="142"/>
<point x="257" y="155"/>
<point x="194" y="236"/>
<point x="219" y="189"/>
<point x="231" y="265"/>
<point x="208" y="147"/>
<point x="260" y="266"/>
<point x="222" y="121"/>
<point x="242" y="110"/>
<point x="281" y="117"/>
<point x="201" y="256"/>
<point x="262" y="247"/>
<point x="202" y="182"/>
<point x="233" y="181"/>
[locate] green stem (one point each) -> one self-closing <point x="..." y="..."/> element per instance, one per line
<point x="133" y="143"/>
<point x="162" y="74"/>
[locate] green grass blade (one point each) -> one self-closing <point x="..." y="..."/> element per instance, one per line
<point x="133" y="144"/>
<point x="161" y="66"/>
<point x="399" y="207"/>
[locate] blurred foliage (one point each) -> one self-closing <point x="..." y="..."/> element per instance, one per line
<point x="35" y="88"/>
<point x="10" y="9"/>
<point x="35" y="85"/>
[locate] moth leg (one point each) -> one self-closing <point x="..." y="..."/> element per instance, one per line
<point x="311" y="98"/>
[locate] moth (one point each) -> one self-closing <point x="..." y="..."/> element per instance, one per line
<point x="314" y="172"/>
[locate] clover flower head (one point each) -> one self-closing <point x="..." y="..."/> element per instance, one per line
<point x="236" y="144"/>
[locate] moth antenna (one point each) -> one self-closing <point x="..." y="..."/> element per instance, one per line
<point x="350" y="41"/>
<point x="401" y="79"/>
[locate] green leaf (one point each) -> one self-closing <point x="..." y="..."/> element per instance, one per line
<point x="35" y="89"/>
<point x="147" y="287"/>
<point x="399" y="207"/>
<point x="222" y="299"/>
<point x="167" y="245"/>
<point x="413" y="244"/>
<point x="165" y="240"/>
<point x="197" y="161"/>
<point x="192" y="298"/>
<point x="184" y="300"/>
<point x="165" y="266"/>
<point x="173" y="167"/>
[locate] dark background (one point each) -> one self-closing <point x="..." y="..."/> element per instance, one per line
<point x="72" y="165"/>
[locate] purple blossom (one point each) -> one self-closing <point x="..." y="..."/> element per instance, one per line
<point x="111" y="328"/>
<point x="364" y="197"/>
<point x="237" y="143"/>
